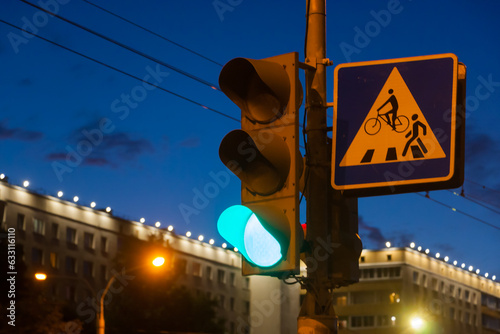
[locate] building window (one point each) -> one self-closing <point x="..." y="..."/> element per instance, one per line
<point x="88" y="240"/>
<point x="88" y="269"/>
<point x="21" y="226"/>
<point x="71" y="236"/>
<point x="246" y="307"/>
<point x="356" y="321"/>
<point x="232" y="279"/>
<point x="197" y="269"/>
<point x="362" y="259"/>
<point x="415" y="277"/>
<point x="231" y="304"/>
<point x="363" y="297"/>
<point x="341" y="299"/>
<point x="55" y="231"/>
<point x="54" y="260"/>
<point x="221" y="276"/>
<point x="70" y="293"/>
<point x="104" y="273"/>
<point x="389" y="257"/>
<point x="209" y="272"/>
<point x="37" y="256"/>
<point x="70" y="265"/>
<point x="246" y="283"/>
<point x="104" y="244"/>
<point x="38" y="226"/>
<point x="222" y="301"/>
<point x="181" y="265"/>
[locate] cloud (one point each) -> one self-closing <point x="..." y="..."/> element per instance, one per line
<point x="190" y="142"/>
<point x="18" y="133"/>
<point x="374" y="234"/>
<point x="25" y="82"/>
<point x="95" y="148"/>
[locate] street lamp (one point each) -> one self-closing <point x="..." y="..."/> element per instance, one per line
<point x="157" y="262"/>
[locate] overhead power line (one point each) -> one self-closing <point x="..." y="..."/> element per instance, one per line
<point x="153" y="33"/>
<point x="122" y="72"/>
<point x="173" y="68"/>
<point x="459" y="211"/>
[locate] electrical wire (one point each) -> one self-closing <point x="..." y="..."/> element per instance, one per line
<point x="478" y="202"/>
<point x="122" y="72"/>
<point x="173" y="68"/>
<point x="153" y="33"/>
<point x="459" y="211"/>
<point x="482" y="186"/>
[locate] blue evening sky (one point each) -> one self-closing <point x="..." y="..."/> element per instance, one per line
<point x="148" y="153"/>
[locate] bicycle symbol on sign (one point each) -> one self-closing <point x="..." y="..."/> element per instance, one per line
<point x="397" y="123"/>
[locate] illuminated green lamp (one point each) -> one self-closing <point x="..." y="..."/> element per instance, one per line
<point x="249" y="232"/>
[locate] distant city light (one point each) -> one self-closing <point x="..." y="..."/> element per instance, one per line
<point x="494" y="277"/>
<point x="471" y="268"/>
<point x="463" y="265"/>
<point x="446" y="259"/>
<point x="455" y="262"/>
<point x="157" y="224"/>
<point x="224" y="245"/>
<point x="2" y="176"/>
<point x="26" y="183"/>
<point x="75" y="199"/>
<point x="486" y="275"/>
<point x="200" y="238"/>
<point x="93" y="204"/>
<point x="236" y="249"/>
<point x="60" y="193"/>
<point x="427" y="251"/>
<point x="477" y="271"/>
<point x="412" y="245"/>
<point x="170" y="228"/>
<point x="188" y="234"/>
<point x="419" y="248"/>
<point x="211" y="241"/>
<point x="142" y="220"/>
<point x="417" y="323"/>
<point x="393" y="318"/>
<point x="438" y="255"/>
<point x="388" y="244"/>
<point x="108" y="209"/>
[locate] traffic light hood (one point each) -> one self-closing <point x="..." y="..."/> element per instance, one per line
<point x="260" y="88"/>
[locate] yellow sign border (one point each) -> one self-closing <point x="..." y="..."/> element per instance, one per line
<point x="453" y="123"/>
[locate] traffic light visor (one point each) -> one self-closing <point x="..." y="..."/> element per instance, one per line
<point x="260" y="88"/>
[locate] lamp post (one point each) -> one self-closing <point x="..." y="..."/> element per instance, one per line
<point x="157" y="262"/>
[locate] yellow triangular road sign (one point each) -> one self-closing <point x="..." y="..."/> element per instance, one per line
<point x="394" y="129"/>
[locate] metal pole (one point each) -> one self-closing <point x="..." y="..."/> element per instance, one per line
<point x="317" y="315"/>
<point x="100" y="314"/>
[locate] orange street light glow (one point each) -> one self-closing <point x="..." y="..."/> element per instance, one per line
<point x="159" y="261"/>
<point x="40" y="276"/>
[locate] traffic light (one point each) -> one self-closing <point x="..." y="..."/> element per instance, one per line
<point x="265" y="156"/>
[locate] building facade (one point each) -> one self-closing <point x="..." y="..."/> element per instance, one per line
<point x="76" y="245"/>
<point x="406" y="290"/>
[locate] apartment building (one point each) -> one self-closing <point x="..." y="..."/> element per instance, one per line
<point x="76" y="244"/>
<point x="409" y="290"/>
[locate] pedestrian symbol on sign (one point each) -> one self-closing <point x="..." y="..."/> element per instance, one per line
<point x="383" y="136"/>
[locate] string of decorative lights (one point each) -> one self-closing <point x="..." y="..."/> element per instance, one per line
<point x="446" y="259"/>
<point x="122" y="72"/>
<point x="76" y="199"/>
<point x="131" y="49"/>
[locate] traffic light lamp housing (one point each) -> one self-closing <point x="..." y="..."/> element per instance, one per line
<point x="265" y="156"/>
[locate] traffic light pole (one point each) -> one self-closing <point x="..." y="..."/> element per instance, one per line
<point x="317" y="314"/>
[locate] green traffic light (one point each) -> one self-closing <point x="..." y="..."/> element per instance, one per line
<point x="241" y="227"/>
